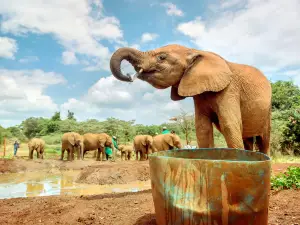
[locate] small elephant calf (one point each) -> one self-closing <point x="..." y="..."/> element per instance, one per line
<point x="163" y="142"/>
<point x="38" y="145"/>
<point x="126" y="151"/>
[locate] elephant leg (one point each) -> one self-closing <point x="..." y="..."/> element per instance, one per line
<point x="62" y="154"/>
<point x="103" y="155"/>
<point x="78" y="153"/>
<point x="204" y="130"/>
<point x="231" y="126"/>
<point x="126" y="156"/>
<point x="136" y="155"/>
<point x="98" y="154"/>
<point x="31" y="154"/>
<point x="263" y="141"/>
<point x="69" y="155"/>
<point x="248" y="143"/>
<point x="129" y="155"/>
<point x="263" y="144"/>
<point x="38" y="153"/>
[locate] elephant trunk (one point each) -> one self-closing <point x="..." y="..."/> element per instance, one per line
<point x="132" y="55"/>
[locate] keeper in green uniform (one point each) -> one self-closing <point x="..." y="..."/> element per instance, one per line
<point x="108" y="150"/>
<point x="165" y="131"/>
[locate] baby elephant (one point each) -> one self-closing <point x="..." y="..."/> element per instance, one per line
<point x="126" y="151"/>
<point x="38" y="145"/>
<point x="164" y="142"/>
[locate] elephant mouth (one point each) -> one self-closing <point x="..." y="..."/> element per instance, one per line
<point x="142" y="74"/>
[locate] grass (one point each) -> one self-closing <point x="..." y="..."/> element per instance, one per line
<point x="288" y="180"/>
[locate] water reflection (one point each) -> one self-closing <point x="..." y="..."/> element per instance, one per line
<point x="32" y="184"/>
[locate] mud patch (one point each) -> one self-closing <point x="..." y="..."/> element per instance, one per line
<point x="31" y="184"/>
<point x="123" y="173"/>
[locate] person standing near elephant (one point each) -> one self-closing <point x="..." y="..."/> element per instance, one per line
<point x="165" y="131"/>
<point x="108" y="150"/>
<point x="16" y="146"/>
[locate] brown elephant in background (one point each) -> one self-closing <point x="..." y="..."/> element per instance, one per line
<point x="234" y="97"/>
<point x="164" y="142"/>
<point x="143" y="145"/>
<point x="98" y="142"/>
<point x="126" y="151"/>
<point x="38" y="145"/>
<point x="69" y="142"/>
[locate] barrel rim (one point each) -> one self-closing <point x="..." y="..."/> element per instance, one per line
<point x="266" y="157"/>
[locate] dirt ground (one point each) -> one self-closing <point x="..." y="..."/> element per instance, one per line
<point x="119" y="209"/>
<point x="112" y="209"/>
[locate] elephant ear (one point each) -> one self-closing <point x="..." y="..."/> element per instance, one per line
<point x="144" y="141"/>
<point x="101" y="141"/>
<point x="71" y="139"/>
<point x="149" y="140"/>
<point x="206" y="71"/>
<point x="169" y="139"/>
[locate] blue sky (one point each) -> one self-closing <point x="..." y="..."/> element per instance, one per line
<point x="55" y="56"/>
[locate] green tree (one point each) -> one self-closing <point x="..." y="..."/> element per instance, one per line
<point x="31" y="127"/>
<point x="285" y="95"/>
<point x="71" y="115"/>
<point x="291" y="133"/>
<point x="16" y="132"/>
<point x="56" y="116"/>
<point x="4" y="133"/>
<point x="52" y="127"/>
<point x="186" y="122"/>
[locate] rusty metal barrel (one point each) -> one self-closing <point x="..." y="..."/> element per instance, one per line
<point x="218" y="186"/>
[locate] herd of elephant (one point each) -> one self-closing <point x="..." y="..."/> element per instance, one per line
<point x="73" y="142"/>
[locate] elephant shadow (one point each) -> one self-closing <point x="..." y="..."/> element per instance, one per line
<point x="148" y="219"/>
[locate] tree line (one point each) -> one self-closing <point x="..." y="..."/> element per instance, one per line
<point x="285" y="135"/>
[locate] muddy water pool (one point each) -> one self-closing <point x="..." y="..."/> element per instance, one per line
<point x="31" y="184"/>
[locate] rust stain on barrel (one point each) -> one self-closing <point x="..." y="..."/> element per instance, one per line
<point x="210" y="187"/>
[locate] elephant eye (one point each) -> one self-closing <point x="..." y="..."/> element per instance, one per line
<point x="161" y="57"/>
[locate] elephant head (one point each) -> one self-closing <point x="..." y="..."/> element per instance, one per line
<point x="76" y="140"/>
<point x="105" y="140"/>
<point x="148" y="141"/>
<point x="173" y="140"/>
<point x="188" y="71"/>
<point x="121" y="147"/>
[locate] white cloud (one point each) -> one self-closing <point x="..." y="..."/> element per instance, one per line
<point x="77" y="25"/>
<point x="69" y="58"/>
<point x="8" y="47"/>
<point x="146" y="37"/>
<point x="137" y="100"/>
<point x="22" y="94"/>
<point x="172" y="9"/>
<point x="29" y="59"/>
<point x="240" y="35"/>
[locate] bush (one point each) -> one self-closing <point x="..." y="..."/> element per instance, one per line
<point x="291" y="133"/>
<point x="287" y="180"/>
<point x="52" y="139"/>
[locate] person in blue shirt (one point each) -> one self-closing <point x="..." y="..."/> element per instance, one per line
<point x="16" y="146"/>
<point x="165" y="131"/>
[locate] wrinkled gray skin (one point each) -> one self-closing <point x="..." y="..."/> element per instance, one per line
<point x="234" y="97"/>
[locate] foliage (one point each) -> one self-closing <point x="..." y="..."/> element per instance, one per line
<point x="71" y="115"/>
<point x="186" y="122"/>
<point x="289" y="179"/>
<point x="285" y="95"/>
<point x="291" y="133"/>
<point x="56" y="116"/>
